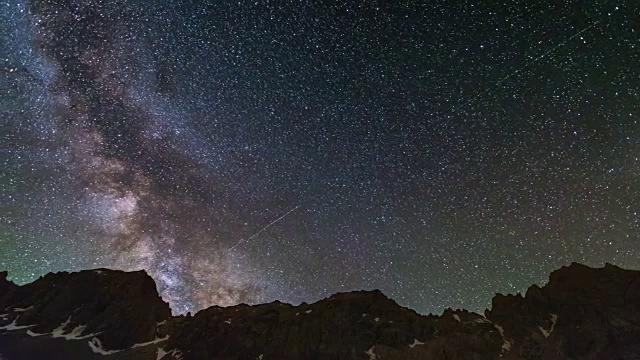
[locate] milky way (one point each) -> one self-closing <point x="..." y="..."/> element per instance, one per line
<point x="249" y="152"/>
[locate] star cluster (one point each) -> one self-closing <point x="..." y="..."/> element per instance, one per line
<point x="439" y="151"/>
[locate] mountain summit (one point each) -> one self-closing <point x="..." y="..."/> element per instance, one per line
<point x="582" y="313"/>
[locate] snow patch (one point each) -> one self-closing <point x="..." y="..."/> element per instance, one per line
<point x="260" y="357"/>
<point x="177" y="354"/>
<point x="161" y="323"/>
<point x="506" y="345"/>
<point x="33" y="334"/>
<point x="228" y="321"/>
<point x="56" y="333"/>
<point x="308" y="311"/>
<point x="372" y="355"/>
<point x="415" y="343"/>
<point x="96" y="346"/>
<point x="154" y="341"/>
<point x="75" y="333"/>
<point x="483" y="320"/>
<point x="59" y="331"/>
<point x="546" y="333"/>
<point x="160" y="354"/>
<point x="23" y="309"/>
<point x="364" y="314"/>
<point x="455" y="316"/>
<point x="15" y="326"/>
<point x="376" y="319"/>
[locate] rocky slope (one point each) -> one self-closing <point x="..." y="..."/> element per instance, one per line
<point x="582" y="313"/>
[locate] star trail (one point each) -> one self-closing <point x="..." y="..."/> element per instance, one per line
<point x="439" y="151"/>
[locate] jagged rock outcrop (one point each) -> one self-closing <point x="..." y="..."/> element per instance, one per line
<point x="582" y="313"/>
<point x="7" y="288"/>
<point x="343" y="326"/>
<point x="114" y="309"/>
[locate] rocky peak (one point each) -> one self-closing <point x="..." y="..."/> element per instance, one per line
<point x="120" y="308"/>
<point x="5" y="285"/>
<point x="582" y="313"/>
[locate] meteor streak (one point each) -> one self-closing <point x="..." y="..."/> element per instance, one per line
<point x="264" y="228"/>
<point x="548" y="52"/>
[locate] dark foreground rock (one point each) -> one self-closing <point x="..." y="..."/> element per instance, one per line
<point x="582" y="313"/>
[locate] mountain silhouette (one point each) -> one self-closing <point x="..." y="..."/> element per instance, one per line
<point x="581" y="313"/>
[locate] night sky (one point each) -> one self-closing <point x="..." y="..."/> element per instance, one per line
<point x="441" y="151"/>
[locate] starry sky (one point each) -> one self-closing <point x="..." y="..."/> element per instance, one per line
<point x="441" y="151"/>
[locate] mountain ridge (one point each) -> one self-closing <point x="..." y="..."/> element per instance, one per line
<point x="581" y="313"/>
